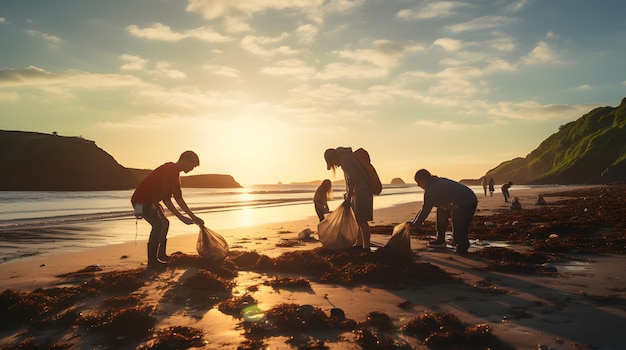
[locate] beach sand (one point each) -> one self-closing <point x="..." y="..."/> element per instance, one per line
<point x="528" y="282"/>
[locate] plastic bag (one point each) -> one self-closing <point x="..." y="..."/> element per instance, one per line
<point x="211" y="245"/>
<point x="339" y="230"/>
<point x="400" y="242"/>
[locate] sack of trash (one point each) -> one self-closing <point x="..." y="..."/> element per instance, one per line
<point x="339" y="230"/>
<point x="211" y="245"/>
<point x="400" y="242"/>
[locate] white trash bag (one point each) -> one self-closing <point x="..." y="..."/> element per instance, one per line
<point x="211" y="245"/>
<point x="400" y="242"/>
<point x="339" y="230"/>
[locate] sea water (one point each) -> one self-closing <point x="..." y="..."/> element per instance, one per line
<point x="33" y="222"/>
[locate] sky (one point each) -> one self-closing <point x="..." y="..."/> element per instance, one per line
<point x="259" y="89"/>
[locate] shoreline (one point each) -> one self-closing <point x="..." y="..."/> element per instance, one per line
<point x="522" y="310"/>
<point x="25" y="273"/>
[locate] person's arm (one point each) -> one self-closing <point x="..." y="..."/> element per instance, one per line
<point x="183" y="205"/>
<point x="170" y="206"/>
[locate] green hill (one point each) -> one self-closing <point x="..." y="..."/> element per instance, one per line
<point x="590" y="150"/>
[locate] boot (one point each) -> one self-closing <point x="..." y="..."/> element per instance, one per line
<point x="161" y="252"/>
<point x="153" y="262"/>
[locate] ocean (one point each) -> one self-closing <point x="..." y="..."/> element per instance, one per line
<point x="32" y="223"/>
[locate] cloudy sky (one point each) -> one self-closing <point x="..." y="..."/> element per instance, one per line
<point x="259" y="89"/>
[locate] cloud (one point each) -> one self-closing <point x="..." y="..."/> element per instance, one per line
<point x="25" y="76"/>
<point x="480" y="23"/>
<point x="132" y="62"/>
<point x="541" y="54"/>
<point x="516" y="6"/>
<point x="314" y="9"/>
<point x="584" y="87"/>
<point x="259" y="45"/>
<point x="433" y="10"/>
<point x="350" y="71"/>
<point x="532" y="110"/>
<point x="52" y="39"/>
<point x="296" y="69"/>
<point x="2" y="20"/>
<point x="383" y="53"/>
<point x="236" y="25"/>
<point x="224" y="71"/>
<point x="164" y="69"/>
<point x="307" y="33"/>
<point x="38" y="78"/>
<point x="449" y="44"/>
<point x="161" y="32"/>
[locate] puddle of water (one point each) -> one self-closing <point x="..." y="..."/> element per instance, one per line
<point x="574" y="266"/>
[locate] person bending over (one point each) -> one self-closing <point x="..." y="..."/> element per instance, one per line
<point x="161" y="185"/>
<point x="453" y="201"/>
<point x="359" y="193"/>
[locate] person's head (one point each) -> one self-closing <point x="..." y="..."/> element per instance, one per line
<point x="510" y="183"/>
<point x="188" y="160"/>
<point x="327" y="186"/>
<point x="422" y="176"/>
<point x="332" y="160"/>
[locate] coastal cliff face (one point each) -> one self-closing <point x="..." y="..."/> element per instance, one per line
<point x="44" y="162"/>
<point x="590" y="150"/>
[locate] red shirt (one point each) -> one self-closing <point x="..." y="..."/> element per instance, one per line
<point x="160" y="184"/>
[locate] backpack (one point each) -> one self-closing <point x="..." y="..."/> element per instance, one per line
<point x="373" y="179"/>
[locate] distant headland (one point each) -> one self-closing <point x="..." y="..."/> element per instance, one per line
<point x="34" y="161"/>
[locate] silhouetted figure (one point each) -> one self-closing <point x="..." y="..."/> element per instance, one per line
<point x="454" y="201"/>
<point x="540" y="200"/>
<point x="359" y="192"/>
<point x="484" y="183"/>
<point x="505" y="191"/>
<point x="321" y="197"/>
<point x="515" y="204"/>
<point x="161" y="185"/>
<point x="491" y="187"/>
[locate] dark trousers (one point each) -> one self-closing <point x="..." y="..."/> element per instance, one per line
<point x="461" y="219"/>
<point x="320" y="210"/>
<point x="153" y="213"/>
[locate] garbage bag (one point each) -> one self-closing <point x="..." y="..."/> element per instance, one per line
<point x="211" y="245"/>
<point x="400" y="242"/>
<point x="339" y="230"/>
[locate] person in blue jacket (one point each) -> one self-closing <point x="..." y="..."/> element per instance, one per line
<point x="453" y="201"/>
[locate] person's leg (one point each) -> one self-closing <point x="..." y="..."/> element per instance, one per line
<point x="319" y="210"/>
<point x="461" y="221"/>
<point x="161" y="252"/>
<point x="443" y="219"/>
<point x="363" y="240"/>
<point x="154" y="216"/>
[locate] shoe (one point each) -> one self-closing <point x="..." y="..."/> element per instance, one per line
<point x="437" y="243"/>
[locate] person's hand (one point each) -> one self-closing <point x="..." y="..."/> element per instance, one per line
<point x="186" y="220"/>
<point x="346" y="204"/>
<point x="198" y="221"/>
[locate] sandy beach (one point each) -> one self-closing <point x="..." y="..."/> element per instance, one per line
<point x="546" y="276"/>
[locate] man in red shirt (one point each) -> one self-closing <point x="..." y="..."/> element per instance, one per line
<point x="159" y="186"/>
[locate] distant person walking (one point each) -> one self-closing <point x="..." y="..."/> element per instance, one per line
<point x="159" y="186"/>
<point x="484" y="183"/>
<point x="321" y="197"/>
<point x="491" y="187"/>
<point x="359" y="192"/>
<point x="454" y="201"/>
<point x="505" y="191"/>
